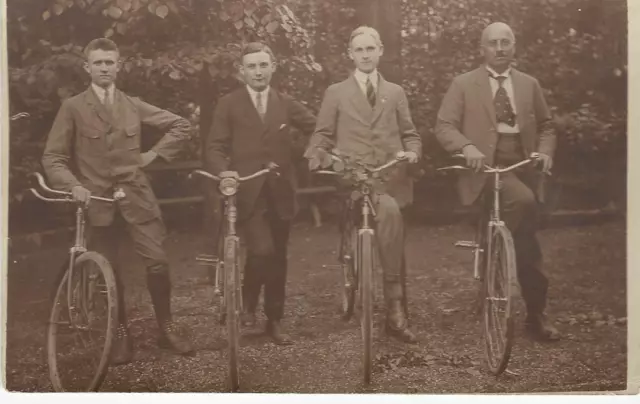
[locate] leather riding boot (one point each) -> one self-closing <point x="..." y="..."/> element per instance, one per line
<point x="397" y="324"/>
<point x="122" y="348"/>
<point x="171" y="337"/>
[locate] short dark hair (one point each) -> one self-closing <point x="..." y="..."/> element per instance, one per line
<point x="255" y="47"/>
<point x="104" y="44"/>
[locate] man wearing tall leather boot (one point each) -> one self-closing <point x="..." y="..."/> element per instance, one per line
<point x="367" y="118"/>
<point x="94" y="147"/>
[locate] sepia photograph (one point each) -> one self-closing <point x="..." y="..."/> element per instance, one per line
<point x="407" y="197"/>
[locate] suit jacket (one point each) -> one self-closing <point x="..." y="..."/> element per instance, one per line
<point x="347" y="122"/>
<point x="99" y="150"/>
<point x="467" y="116"/>
<point x="240" y="141"/>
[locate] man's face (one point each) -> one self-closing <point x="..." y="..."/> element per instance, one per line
<point x="103" y="67"/>
<point x="498" y="48"/>
<point x="257" y="69"/>
<point x="365" y="53"/>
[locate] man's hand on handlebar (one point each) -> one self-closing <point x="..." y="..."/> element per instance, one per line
<point x="411" y="157"/>
<point x="544" y="161"/>
<point x="81" y="194"/>
<point x="318" y="158"/>
<point x="474" y="157"/>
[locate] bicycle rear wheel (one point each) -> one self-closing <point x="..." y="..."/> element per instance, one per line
<point x="365" y="276"/>
<point x="81" y="325"/>
<point x="499" y="286"/>
<point x="233" y="305"/>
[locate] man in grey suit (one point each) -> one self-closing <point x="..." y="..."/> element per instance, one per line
<point x="367" y="118"/>
<point x="496" y="114"/>
<point x="93" y="148"/>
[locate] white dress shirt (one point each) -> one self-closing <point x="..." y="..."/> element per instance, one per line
<point x="508" y="85"/>
<point x="254" y="97"/>
<point x="362" y="77"/>
<point x="101" y="92"/>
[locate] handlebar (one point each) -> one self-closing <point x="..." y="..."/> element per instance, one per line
<point x="489" y="169"/>
<point x="239" y="179"/>
<point x="399" y="158"/>
<point x="117" y="195"/>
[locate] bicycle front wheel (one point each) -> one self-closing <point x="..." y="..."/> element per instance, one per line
<point x="82" y="324"/>
<point x="233" y="304"/>
<point x="365" y="276"/>
<point x="499" y="287"/>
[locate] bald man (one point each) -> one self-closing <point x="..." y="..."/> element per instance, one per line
<point x="497" y="115"/>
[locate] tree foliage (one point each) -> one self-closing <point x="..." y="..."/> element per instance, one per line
<point x="180" y="55"/>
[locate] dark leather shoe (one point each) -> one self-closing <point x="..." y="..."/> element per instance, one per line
<point x="171" y="337"/>
<point x="122" y="348"/>
<point x="248" y="319"/>
<point x="274" y="329"/>
<point x="397" y="324"/>
<point x="539" y="328"/>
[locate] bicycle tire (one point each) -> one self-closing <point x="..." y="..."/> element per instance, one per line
<point x="365" y="276"/>
<point x="499" y="286"/>
<point x="60" y="302"/>
<point x="232" y="295"/>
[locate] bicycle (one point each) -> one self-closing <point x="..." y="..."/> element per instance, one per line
<point x="85" y="290"/>
<point x="229" y="265"/>
<point x="357" y="262"/>
<point x="496" y="270"/>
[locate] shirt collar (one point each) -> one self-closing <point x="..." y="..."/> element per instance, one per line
<point x="362" y="77"/>
<point x="254" y="93"/>
<point x="100" y="92"/>
<point x="492" y="72"/>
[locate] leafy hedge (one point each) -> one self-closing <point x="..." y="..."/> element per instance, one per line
<point x="180" y="55"/>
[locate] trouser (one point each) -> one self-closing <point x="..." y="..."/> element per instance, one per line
<point x="390" y="235"/>
<point x="266" y="236"/>
<point x="148" y="239"/>
<point x="520" y="211"/>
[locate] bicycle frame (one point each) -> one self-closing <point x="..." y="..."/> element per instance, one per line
<point x="80" y="243"/>
<point x="494" y="213"/>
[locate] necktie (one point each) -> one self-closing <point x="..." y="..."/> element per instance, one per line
<point x="107" y="101"/>
<point x="260" y="105"/>
<point x="371" y="93"/>
<point x="504" y="110"/>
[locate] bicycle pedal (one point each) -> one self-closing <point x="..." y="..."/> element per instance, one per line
<point x="466" y="244"/>
<point x="207" y="259"/>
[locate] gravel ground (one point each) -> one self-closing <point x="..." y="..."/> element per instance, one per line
<point x="586" y="267"/>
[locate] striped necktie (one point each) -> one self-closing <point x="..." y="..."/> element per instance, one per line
<point x="371" y="93"/>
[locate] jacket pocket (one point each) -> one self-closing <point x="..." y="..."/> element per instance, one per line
<point x="132" y="137"/>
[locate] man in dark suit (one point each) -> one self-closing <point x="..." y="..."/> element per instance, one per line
<point x="368" y="118"/>
<point x="97" y="133"/>
<point x="498" y="115"/>
<point x="252" y="128"/>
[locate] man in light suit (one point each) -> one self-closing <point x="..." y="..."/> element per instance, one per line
<point x="367" y="118"/>
<point x="496" y="114"/>
<point x="93" y="148"/>
<point x="252" y="128"/>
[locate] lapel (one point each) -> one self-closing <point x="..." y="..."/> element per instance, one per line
<point x="98" y="107"/>
<point x="382" y="96"/>
<point x="273" y="113"/>
<point x="517" y="81"/>
<point x="246" y="104"/>
<point x="485" y="94"/>
<point x="359" y="100"/>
